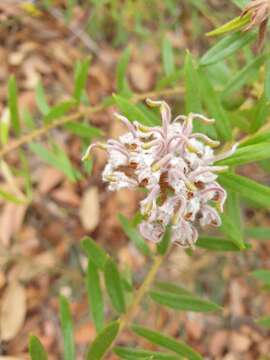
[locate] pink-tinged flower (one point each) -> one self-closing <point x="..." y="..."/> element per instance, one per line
<point x="176" y="166"/>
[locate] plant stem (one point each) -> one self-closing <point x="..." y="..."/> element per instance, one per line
<point x="81" y="114"/>
<point x="128" y="317"/>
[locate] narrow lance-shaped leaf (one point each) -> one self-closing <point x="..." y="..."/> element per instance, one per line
<point x="81" y="74"/>
<point x="217" y="244"/>
<point x="172" y="288"/>
<point x="67" y="329"/>
<point x="103" y="341"/>
<point x="57" y="158"/>
<point x="167" y="57"/>
<point x="183" y="302"/>
<point x="226" y="47"/>
<point x="229" y="228"/>
<point x="134" y="235"/>
<point x="262" y="275"/>
<point x="166" y="342"/>
<point x="131" y="111"/>
<point x="248" y="154"/>
<point x="259" y="137"/>
<point x="58" y="111"/>
<point x="114" y="286"/>
<point x="36" y="349"/>
<point x="121" y="81"/>
<point x="84" y="130"/>
<point x="261" y="113"/>
<point x="4" y="127"/>
<point x="11" y="197"/>
<point x="249" y="189"/>
<point x="246" y="74"/>
<point x="259" y="233"/>
<point x="129" y="353"/>
<point x="233" y="25"/>
<point x="95" y="295"/>
<point x="192" y="97"/>
<point x="13" y="104"/>
<point x="94" y="252"/>
<point x="214" y="107"/>
<point x="41" y="100"/>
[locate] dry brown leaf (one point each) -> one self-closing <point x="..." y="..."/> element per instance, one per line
<point x="28" y="270"/>
<point x="90" y="209"/>
<point x="11" y="221"/>
<point x="66" y="194"/>
<point x="13" y="311"/>
<point x="10" y="358"/>
<point x="239" y="342"/>
<point x="48" y="179"/>
<point x="140" y="77"/>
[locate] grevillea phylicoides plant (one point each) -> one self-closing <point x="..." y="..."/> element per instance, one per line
<point x="176" y="167"/>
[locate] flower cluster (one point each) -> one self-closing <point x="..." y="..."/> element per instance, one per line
<point x="176" y="167"/>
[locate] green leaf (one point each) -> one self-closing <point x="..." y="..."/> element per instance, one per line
<point x="28" y="119"/>
<point x="41" y="100"/>
<point x="114" y="286"/>
<point x="262" y="275"/>
<point x="103" y="341"/>
<point x="13" y="104"/>
<point x="260" y="136"/>
<point x="164" y="244"/>
<point x="84" y="130"/>
<point x="226" y="47"/>
<point x="121" y="81"/>
<point x="94" y="252"/>
<point x="169" y="80"/>
<point x="11" y="197"/>
<point x="172" y="288"/>
<point x="36" y="349"/>
<point x="233" y="25"/>
<point x="95" y="295"/>
<point x="248" y="189"/>
<point x="167" y="57"/>
<point x="231" y="230"/>
<point x="267" y="79"/>
<point x="264" y="321"/>
<point x="67" y="329"/>
<point x="217" y="244"/>
<point x="261" y="113"/>
<point x="259" y="233"/>
<point x="56" y="158"/>
<point x="183" y="302"/>
<point x="81" y="75"/>
<point x="4" y="127"/>
<point x="133" y="234"/>
<point x="193" y="98"/>
<point x="131" y="111"/>
<point x="166" y="342"/>
<point x="214" y="107"/>
<point x="240" y="3"/>
<point x="245" y="75"/>
<point x="58" y="111"/>
<point x="129" y="353"/>
<point x="248" y="154"/>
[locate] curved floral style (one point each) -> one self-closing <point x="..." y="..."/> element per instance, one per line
<point x="176" y="166"/>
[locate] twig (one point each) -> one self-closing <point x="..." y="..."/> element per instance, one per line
<point x="128" y="317"/>
<point x="25" y="139"/>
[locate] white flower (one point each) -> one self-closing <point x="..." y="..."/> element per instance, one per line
<point x="176" y="166"/>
